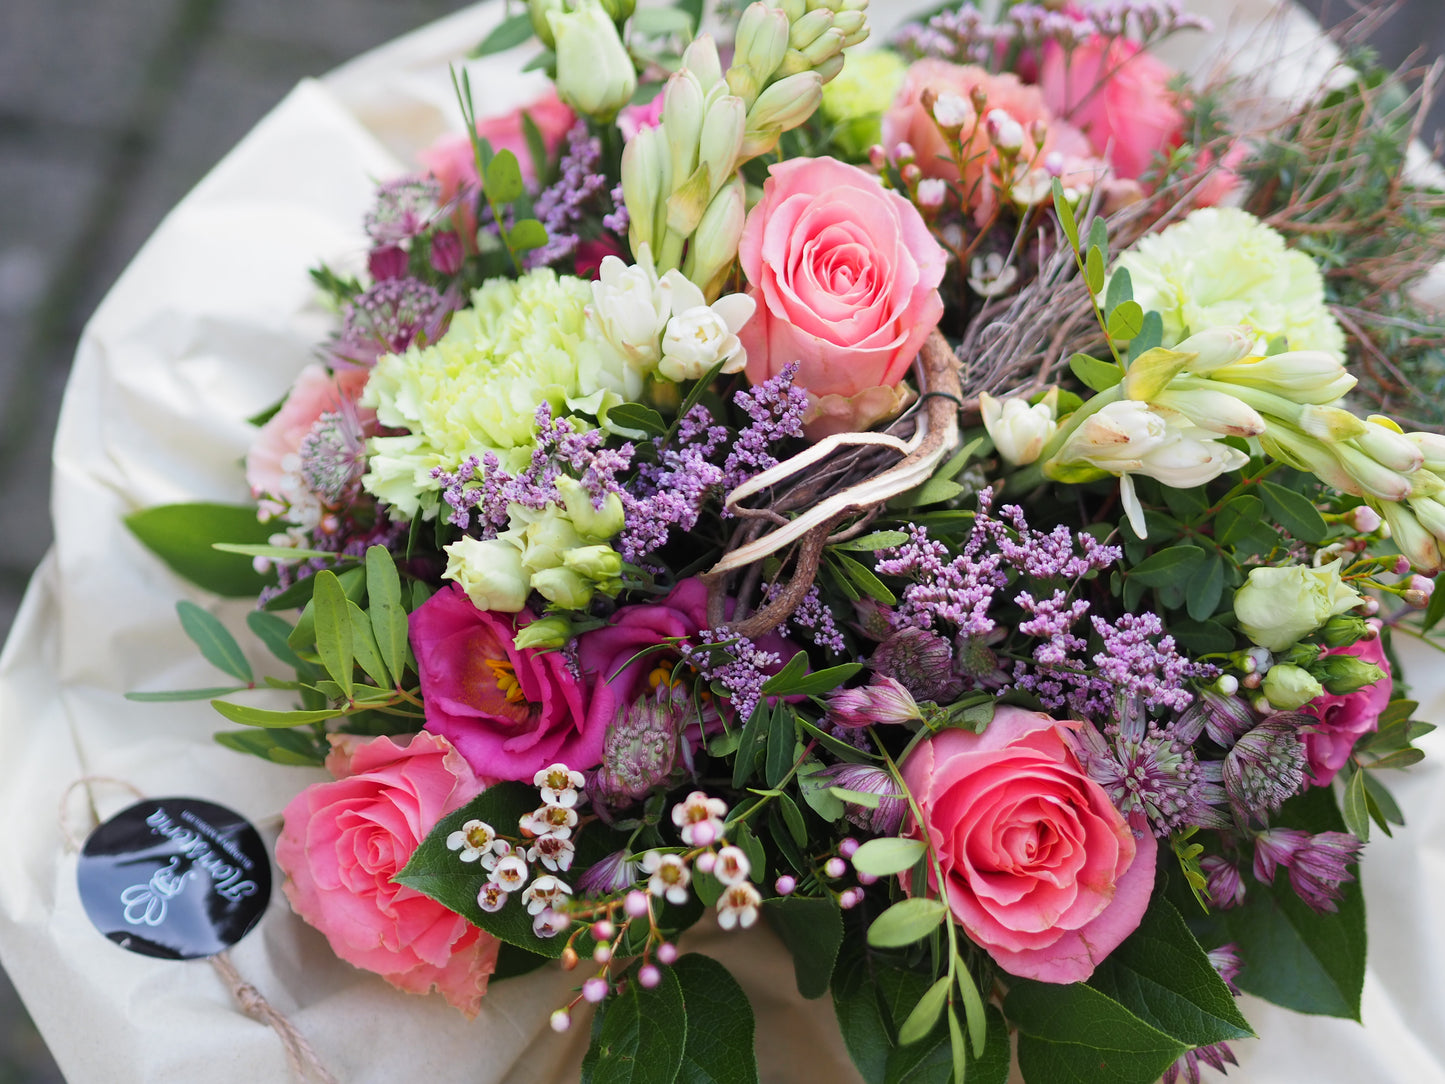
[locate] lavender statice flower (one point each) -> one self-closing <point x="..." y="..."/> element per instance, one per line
<point x="887" y="818"/>
<point x="1141" y="661"/>
<point x="1147" y="770"/>
<point x="921" y="661"/>
<point x="388" y="318"/>
<point x="958" y="592"/>
<point x="619" y="220"/>
<point x="1316" y="863"/>
<point x="1223" y="883"/>
<point x="812" y="617"/>
<point x="735" y="663"/>
<point x="776" y="408"/>
<point x="566" y="204"/>
<point x="1266" y="767"/>
<point x="404" y="208"/>
<point x="670" y="493"/>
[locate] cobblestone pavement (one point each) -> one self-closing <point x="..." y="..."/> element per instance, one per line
<point x="110" y="110"/>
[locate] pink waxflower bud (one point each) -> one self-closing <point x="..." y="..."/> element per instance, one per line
<point x="785" y="884"/>
<point x="635" y="904"/>
<point x="1365" y="519"/>
<point x="666" y="953"/>
<point x="931" y="193"/>
<point x="850" y="898"/>
<point x="835" y="868"/>
<point x="387" y="262"/>
<point x="1004" y="132"/>
<point x="561" y="1020"/>
<point x="446" y="252"/>
<point x="877" y="156"/>
<point x="648" y="976"/>
<point x="594" y="990"/>
<point x="911" y="173"/>
<point x="705" y="862"/>
<point x="603" y="930"/>
<point x="848" y="847"/>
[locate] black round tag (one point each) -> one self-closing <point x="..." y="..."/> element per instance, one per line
<point x="176" y="878"/>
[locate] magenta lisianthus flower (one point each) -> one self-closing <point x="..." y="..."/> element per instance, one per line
<point x="510" y="712"/>
<point x="1039" y="867"/>
<point x="1344" y="720"/>
<point x="342" y="843"/>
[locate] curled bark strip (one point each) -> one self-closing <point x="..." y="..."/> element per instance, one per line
<point x="781" y="606"/>
<point x="937" y="434"/>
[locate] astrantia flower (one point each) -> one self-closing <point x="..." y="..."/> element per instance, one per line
<point x="882" y="702"/>
<point x="523" y="342"/>
<point x="1222" y="266"/>
<point x="1316" y="863"/>
<point x="887" y="817"/>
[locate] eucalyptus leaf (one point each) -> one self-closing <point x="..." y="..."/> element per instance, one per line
<point x="509" y="33"/>
<point x="385" y="612"/>
<point x="184" y="537"/>
<point x="886" y="856"/>
<point x="926" y="1013"/>
<point x="906" y="922"/>
<point x="245" y="713"/>
<point x="333" y="630"/>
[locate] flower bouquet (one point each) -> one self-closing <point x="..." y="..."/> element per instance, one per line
<point x="951" y="503"/>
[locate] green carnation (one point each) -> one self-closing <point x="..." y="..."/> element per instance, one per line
<point x="856" y="99"/>
<point x="1221" y="267"/>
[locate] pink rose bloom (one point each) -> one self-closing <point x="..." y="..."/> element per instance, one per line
<point x="273" y="459"/>
<point x="1040" y="869"/>
<point x="1344" y="720"/>
<point x="509" y="712"/>
<point x="451" y="161"/>
<point x="845" y="276"/>
<point x="1118" y="95"/>
<point x="634" y="118"/>
<point x="341" y="844"/>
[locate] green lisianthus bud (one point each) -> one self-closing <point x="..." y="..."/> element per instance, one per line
<point x="602" y="564"/>
<point x="1288" y="687"/>
<point x="1342" y="674"/>
<point x="592" y="524"/>
<point x="537" y="11"/>
<point x="548" y="632"/>
<point x="563" y="588"/>
<point x="595" y="73"/>
<point x="1343" y="630"/>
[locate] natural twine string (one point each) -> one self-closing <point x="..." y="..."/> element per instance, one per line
<point x="305" y="1065"/>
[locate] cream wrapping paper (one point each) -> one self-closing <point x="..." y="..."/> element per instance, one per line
<point x="209" y="325"/>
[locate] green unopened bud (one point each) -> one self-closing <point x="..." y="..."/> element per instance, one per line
<point x="1431" y="514"/>
<point x="762" y="40"/>
<point x="601" y="564"/>
<point x="1343" y="630"/>
<point x="537" y="12"/>
<point x="1329" y="424"/>
<point x="1302" y="376"/>
<point x="722" y="139"/>
<point x="786" y="104"/>
<point x="853" y="25"/>
<point x="1217" y="346"/>
<point x="1374" y="478"/>
<point x="1306" y="453"/>
<point x="715" y="244"/>
<point x="592" y="523"/>
<point x="682" y="116"/>
<point x="1150" y="373"/>
<point x="1344" y="674"/>
<point x="809" y="28"/>
<point x="1288" y="687"/>
<point x="548" y="632"/>
<point x="1388" y="446"/>
<point x="646" y="184"/>
<point x="700" y="58"/>
<point x="595" y="74"/>
<point x="1411" y="539"/>
<point x="829" y="69"/>
<point x="1432" y="448"/>
<point x="1300" y="654"/>
<point x="685" y="207"/>
<point x="619" y="10"/>
<point x="1216" y="411"/>
<point x="563" y="588"/>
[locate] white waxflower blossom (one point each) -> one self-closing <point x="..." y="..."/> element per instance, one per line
<point x="546" y="892"/>
<point x="668" y="876"/>
<point x="560" y="785"/>
<point x="732" y="866"/>
<point x="492" y="898"/>
<point x="473" y="839"/>
<point x="699" y="818"/>
<point x="549" y="819"/>
<point x="499" y="849"/>
<point x="554" y="852"/>
<point x="738" y="906"/>
<point x="510" y="873"/>
<point x="550" y="923"/>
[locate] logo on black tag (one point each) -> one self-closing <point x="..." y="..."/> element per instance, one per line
<point x="176" y="878"/>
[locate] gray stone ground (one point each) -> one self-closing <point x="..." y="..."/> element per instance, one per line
<point x="110" y="110"/>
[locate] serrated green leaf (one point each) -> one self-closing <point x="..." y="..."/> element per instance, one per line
<point x="886" y="856"/>
<point x="812" y="929"/>
<point x="643" y="1035"/>
<point x="719" y="1045"/>
<point x="333" y="630"/>
<point x="527" y="235"/>
<point x="509" y="33"/>
<point x="184" y="535"/>
<point x="172" y="696"/>
<point x="1162" y="975"/>
<point x="265" y="717"/>
<point x="1167" y="566"/>
<point x="385" y="612"/>
<point x="1073" y="1034"/>
<point x="216" y="643"/>
<point x="926" y="1013"/>
<point x="1095" y="374"/>
<point x="364" y="648"/>
<point x="906" y="922"/>
<point x="1294" y="512"/>
<point x="1126" y="321"/>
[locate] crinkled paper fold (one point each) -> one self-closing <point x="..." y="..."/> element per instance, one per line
<point x="208" y="326"/>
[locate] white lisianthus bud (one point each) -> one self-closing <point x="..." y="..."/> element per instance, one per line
<point x="1217" y="346"/>
<point x="546" y="536"/>
<point x="490" y="572"/>
<point x="598" y="563"/>
<point x="1278" y="605"/>
<point x="1413" y="532"/>
<point x="1288" y="687"/>
<point x="1302" y="376"/>
<point x="595" y="74"/>
<point x="630" y="307"/>
<point x="699" y="336"/>
<point x="1019" y="431"/>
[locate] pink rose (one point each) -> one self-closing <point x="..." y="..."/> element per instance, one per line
<point x="845" y="275"/>
<point x="509" y="712"/>
<point x="1344" y="720"/>
<point x="1118" y="95"/>
<point x="1041" y="870"/>
<point x="273" y="459"/>
<point x="343" y="842"/>
<point x="452" y="162"/>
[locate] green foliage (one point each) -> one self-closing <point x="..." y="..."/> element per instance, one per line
<point x="1076" y="1035"/>
<point x="812" y="929"/>
<point x="182" y="535"/>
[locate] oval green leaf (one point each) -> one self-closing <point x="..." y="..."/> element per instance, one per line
<point x="216" y="643"/>
<point x="886" y="856"/>
<point x="906" y="922"/>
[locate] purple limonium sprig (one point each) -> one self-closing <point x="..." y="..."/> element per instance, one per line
<point x="957" y="592"/>
<point x="388" y="318"/>
<point x="1266" y="767"/>
<point x="812" y="617"/>
<point x="404" y="207"/>
<point x="619" y="220"/>
<point x="776" y="408"/>
<point x="1140" y="660"/>
<point x="735" y="663"/>
<point x="564" y="205"/>
<point x="1316" y="863"/>
<point x="670" y="494"/>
